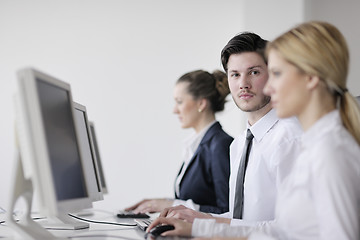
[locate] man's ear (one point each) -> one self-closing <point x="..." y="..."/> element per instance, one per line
<point x="312" y="81"/>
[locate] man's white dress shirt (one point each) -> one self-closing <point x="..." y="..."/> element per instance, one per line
<point x="275" y="147"/>
<point x="320" y="199"/>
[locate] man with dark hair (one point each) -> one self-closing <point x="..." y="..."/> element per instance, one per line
<point x="262" y="156"/>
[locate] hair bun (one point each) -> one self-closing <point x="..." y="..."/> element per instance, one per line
<point x="221" y="84"/>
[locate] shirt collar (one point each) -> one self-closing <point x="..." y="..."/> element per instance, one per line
<point x="262" y="126"/>
<point x="194" y="140"/>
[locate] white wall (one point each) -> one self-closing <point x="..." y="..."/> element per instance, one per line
<point x="122" y="59"/>
<point x="271" y="18"/>
<point x="275" y="17"/>
<point x="345" y="16"/>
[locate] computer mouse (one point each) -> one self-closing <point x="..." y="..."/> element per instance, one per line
<point x="158" y="230"/>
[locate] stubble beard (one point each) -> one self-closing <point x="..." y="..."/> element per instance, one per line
<point x="263" y="103"/>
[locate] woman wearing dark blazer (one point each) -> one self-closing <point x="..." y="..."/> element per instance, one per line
<point x="203" y="180"/>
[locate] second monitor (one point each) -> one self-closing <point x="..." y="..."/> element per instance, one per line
<point x="98" y="158"/>
<point x="87" y="149"/>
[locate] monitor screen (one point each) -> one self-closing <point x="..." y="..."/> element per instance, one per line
<point x="49" y="143"/>
<point x="49" y="158"/>
<point x="98" y="158"/>
<point x="88" y="153"/>
<point x="63" y="149"/>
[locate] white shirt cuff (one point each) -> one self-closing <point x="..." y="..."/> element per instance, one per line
<point x="188" y="203"/>
<point x="223" y="215"/>
<point x="202" y="227"/>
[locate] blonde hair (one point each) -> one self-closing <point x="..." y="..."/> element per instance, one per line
<point x="319" y="49"/>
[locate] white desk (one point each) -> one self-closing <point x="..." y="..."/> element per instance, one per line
<point x="96" y="231"/>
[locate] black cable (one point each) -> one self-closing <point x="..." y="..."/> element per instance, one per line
<point x="100" y="222"/>
<point x="86" y="220"/>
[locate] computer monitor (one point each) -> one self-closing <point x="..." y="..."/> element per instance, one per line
<point x="49" y="159"/>
<point x="98" y="158"/>
<point x="88" y="153"/>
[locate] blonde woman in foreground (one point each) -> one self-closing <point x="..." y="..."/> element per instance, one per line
<point x="320" y="199"/>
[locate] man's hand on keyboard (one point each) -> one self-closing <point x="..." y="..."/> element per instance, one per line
<point x="150" y="205"/>
<point x="184" y="213"/>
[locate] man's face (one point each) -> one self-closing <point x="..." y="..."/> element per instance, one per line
<point x="247" y="76"/>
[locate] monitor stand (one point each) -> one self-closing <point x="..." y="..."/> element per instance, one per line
<point x="26" y="227"/>
<point x="84" y="213"/>
<point x="63" y="222"/>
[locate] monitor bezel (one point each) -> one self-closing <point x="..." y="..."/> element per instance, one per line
<point x="94" y="195"/>
<point x="34" y="147"/>
<point x="98" y="158"/>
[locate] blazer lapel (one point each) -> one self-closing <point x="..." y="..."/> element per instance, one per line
<point x="208" y="135"/>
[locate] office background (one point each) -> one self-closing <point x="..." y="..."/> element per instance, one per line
<point x="122" y="59"/>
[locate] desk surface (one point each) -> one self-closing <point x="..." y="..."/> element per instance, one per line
<point x="95" y="231"/>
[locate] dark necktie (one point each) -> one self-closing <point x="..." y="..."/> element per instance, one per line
<point x="239" y="193"/>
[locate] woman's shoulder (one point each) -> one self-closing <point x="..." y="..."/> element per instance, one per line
<point x="289" y="128"/>
<point x="216" y="140"/>
<point x="337" y="149"/>
<point x="217" y="132"/>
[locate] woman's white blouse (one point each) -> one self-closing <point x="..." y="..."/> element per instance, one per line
<point x="321" y="197"/>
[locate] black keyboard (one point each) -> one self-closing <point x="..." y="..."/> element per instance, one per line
<point x="129" y="214"/>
